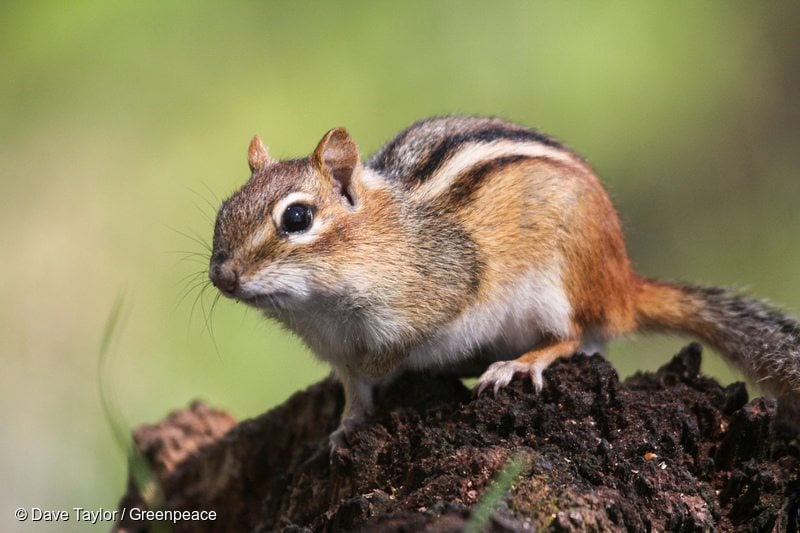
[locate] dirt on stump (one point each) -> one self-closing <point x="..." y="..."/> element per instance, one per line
<point x="668" y="451"/>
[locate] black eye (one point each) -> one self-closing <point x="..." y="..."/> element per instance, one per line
<point x="296" y="218"/>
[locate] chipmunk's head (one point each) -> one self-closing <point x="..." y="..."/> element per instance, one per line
<point x="276" y="238"/>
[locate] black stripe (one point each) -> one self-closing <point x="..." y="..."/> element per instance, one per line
<point x="382" y="159"/>
<point x="416" y="153"/>
<point x="450" y="145"/>
<point x="465" y="185"/>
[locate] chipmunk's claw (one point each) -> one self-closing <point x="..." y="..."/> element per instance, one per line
<point x="537" y="379"/>
<point x="340" y="439"/>
<point x="501" y="373"/>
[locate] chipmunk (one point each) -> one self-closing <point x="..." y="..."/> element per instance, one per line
<point x="462" y="238"/>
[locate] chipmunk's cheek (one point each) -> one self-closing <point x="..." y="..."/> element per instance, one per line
<point x="277" y="286"/>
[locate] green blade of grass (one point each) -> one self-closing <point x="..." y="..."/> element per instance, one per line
<point x="142" y="475"/>
<point x="485" y="508"/>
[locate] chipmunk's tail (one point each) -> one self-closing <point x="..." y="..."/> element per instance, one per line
<point x="753" y="336"/>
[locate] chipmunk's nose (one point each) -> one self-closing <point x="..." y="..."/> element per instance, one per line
<point x="223" y="274"/>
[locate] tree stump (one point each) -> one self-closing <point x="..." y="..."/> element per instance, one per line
<point x="668" y="451"/>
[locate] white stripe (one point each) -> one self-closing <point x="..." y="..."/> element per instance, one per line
<point x="470" y="154"/>
<point x="372" y="180"/>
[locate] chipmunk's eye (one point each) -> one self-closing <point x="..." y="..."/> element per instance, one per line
<point x="296" y="218"/>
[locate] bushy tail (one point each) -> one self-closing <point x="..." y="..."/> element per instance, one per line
<point x="761" y="341"/>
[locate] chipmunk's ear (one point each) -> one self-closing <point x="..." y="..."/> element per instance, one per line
<point x="336" y="156"/>
<point x="257" y="155"/>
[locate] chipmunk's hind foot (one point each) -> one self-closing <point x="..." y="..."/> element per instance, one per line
<point x="531" y="364"/>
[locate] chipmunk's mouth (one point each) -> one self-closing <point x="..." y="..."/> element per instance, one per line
<point x="273" y="300"/>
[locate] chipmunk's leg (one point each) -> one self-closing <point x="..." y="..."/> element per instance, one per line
<point x="532" y="363"/>
<point x="358" y="403"/>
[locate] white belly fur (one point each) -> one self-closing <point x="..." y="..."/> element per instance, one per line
<point x="512" y="323"/>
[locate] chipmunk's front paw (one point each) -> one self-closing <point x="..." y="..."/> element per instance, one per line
<point x="340" y="438"/>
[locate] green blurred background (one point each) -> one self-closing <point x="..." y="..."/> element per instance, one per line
<point x="120" y="124"/>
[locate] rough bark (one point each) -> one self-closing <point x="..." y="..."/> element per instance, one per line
<point x="669" y="451"/>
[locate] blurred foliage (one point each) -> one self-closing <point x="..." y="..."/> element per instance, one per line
<point x="123" y="124"/>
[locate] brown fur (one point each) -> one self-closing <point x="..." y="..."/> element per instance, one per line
<point x="600" y="275"/>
